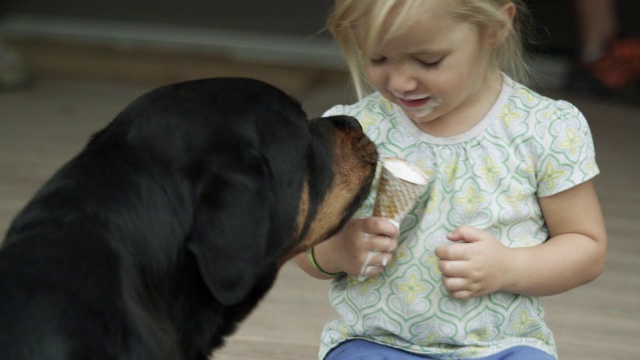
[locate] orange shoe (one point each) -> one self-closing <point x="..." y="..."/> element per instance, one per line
<point x="619" y="67"/>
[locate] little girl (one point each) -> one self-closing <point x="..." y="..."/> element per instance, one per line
<point x="510" y="214"/>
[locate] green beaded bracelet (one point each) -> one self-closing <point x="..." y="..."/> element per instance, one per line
<point x="312" y="259"/>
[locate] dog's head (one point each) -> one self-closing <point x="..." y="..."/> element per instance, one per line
<point x="267" y="182"/>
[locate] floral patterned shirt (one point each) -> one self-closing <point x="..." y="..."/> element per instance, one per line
<point x="526" y="147"/>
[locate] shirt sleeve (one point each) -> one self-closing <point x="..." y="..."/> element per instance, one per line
<point x="335" y="110"/>
<point x="568" y="154"/>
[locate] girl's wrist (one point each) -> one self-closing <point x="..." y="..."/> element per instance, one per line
<point x="320" y="269"/>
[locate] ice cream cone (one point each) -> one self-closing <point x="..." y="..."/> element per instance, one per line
<point x="399" y="187"/>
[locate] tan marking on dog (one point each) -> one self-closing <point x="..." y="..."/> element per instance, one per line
<point x="355" y="159"/>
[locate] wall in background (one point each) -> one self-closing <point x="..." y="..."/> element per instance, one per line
<point x="289" y="17"/>
<point x="282" y="31"/>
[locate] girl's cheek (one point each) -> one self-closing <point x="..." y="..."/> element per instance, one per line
<point x="376" y="79"/>
<point x="371" y="73"/>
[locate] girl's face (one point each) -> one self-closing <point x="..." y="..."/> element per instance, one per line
<point x="436" y="71"/>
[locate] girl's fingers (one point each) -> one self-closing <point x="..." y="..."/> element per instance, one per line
<point x="454" y="284"/>
<point x="375" y="259"/>
<point x="380" y="226"/>
<point x="374" y="264"/>
<point x="452" y="268"/>
<point x="380" y="243"/>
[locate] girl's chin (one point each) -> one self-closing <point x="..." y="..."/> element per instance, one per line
<point x="421" y="117"/>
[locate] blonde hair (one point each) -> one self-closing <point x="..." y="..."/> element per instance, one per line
<point x="487" y="15"/>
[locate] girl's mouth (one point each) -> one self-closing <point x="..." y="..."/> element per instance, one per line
<point x="418" y="106"/>
<point x="414" y="103"/>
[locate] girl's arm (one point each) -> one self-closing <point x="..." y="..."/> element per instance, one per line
<point x="574" y="254"/>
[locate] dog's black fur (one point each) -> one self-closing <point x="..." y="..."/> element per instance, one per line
<point x="170" y="225"/>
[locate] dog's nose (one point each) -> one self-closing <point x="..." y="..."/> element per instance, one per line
<point x="353" y="122"/>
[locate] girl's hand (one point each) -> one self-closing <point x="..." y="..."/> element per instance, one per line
<point x="573" y="255"/>
<point x="477" y="265"/>
<point x="364" y="246"/>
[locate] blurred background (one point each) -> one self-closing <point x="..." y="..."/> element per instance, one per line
<point x="67" y="67"/>
<point x="131" y="40"/>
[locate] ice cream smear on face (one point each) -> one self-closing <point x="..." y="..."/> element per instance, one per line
<point x="417" y="106"/>
<point x="423" y="110"/>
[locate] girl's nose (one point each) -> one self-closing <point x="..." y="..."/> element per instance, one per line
<point x="401" y="80"/>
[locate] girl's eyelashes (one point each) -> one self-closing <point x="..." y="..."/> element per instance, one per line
<point x="377" y="59"/>
<point x="430" y="63"/>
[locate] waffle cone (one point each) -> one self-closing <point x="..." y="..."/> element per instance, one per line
<point x="399" y="186"/>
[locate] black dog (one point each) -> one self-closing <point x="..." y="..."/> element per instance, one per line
<point x="167" y="229"/>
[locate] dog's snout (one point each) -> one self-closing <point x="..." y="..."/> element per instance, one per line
<point x="352" y="122"/>
<point x="345" y="122"/>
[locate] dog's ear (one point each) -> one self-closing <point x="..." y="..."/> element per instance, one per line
<point x="231" y="226"/>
